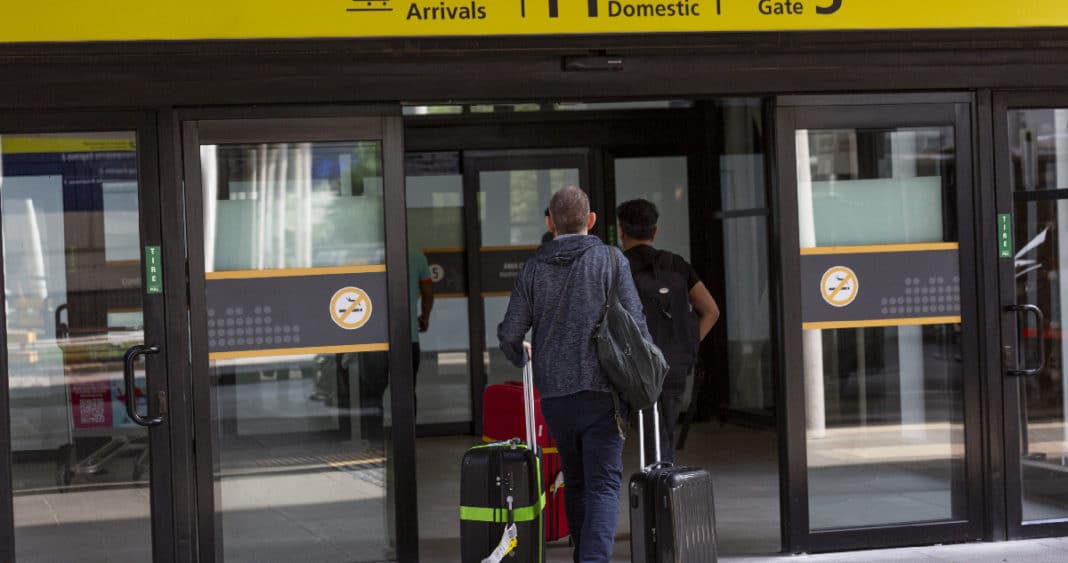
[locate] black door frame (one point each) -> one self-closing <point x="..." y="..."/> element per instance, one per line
<point x="160" y="368"/>
<point x="472" y="164"/>
<point x="850" y="111"/>
<point x="1012" y="426"/>
<point x="290" y="123"/>
<point x="599" y="132"/>
<point x="706" y="245"/>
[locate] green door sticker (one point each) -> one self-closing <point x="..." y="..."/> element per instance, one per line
<point x="1005" y="235"/>
<point x="153" y="270"/>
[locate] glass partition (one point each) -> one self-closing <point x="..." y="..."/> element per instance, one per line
<point x="436" y="230"/>
<point x="747" y="298"/>
<point x="512" y="207"/>
<point x="299" y="372"/>
<point x="72" y="273"/>
<point x="883" y="396"/>
<point x="1038" y="141"/>
<point x="664" y="181"/>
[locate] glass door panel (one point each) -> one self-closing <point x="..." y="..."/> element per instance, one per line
<point x="512" y="206"/>
<point x="435" y="204"/>
<point x="296" y="334"/>
<point x="1038" y="142"/>
<point x="885" y="416"/>
<point x="74" y="296"/>
<point x="665" y="181"/>
<point x="877" y="402"/>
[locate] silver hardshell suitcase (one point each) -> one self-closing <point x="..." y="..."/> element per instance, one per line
<point x="672" y="517"/>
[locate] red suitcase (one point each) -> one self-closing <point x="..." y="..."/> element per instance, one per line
<point x="502" y="419"/>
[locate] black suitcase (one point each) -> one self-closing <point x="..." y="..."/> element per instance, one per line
<point x="672" y="518"/>
<point x="500" y="485"/>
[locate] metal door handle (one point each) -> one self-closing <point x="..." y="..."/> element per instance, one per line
<point x="1041" y="318"/>
<point x="128" y="372"/>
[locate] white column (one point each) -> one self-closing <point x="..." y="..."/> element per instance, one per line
<point x="1060" y="119"/>
<point x="209" y="173"/>
<point x="909" y="338"/>
<point x="811" y="340"/>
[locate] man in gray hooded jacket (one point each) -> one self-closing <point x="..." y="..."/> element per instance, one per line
<point x="560" y="294"/>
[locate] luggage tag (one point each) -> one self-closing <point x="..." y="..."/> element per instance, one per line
<point x="557" y="484"/>
<point x="509" y="540"/>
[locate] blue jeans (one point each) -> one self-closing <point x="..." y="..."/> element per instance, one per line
<point x="591" y="452"/>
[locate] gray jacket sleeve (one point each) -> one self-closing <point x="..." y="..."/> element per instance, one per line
<point x="628" y="294"/>
<point x="517" y="320"/>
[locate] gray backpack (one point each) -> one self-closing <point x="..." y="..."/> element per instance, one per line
<point x="634" y="366"/>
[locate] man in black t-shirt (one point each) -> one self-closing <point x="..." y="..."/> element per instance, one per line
<point x="678" y="308"/>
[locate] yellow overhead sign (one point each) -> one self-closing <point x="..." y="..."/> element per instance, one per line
<point x="136" y="20"/>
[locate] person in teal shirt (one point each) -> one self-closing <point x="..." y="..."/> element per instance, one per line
<point x="421" y="291"/>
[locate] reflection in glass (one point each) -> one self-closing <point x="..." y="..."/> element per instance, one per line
<point x="292" y="205"/>
<point x="750" y="383"/>
<point x="512" y="207"/>
<point x="662" y="180"/>
<point x="302" y="440"/>
<point x="73" y="296"/>
<point x="749" y="345"/>
<point x="892" y="450"/>
<point x="512" y="204"/>
<point x="742" y="162"/>
<point x="436" y="228"/>
<point x="883" y="404"/>
<point x="1039" y="146"/>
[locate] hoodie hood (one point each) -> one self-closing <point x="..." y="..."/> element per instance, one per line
<point x="564" y="251"/>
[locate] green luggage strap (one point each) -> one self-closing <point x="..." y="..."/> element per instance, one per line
<point x="500" y="515"/>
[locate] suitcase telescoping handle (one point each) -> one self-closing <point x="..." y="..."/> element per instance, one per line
<point x="528" y="402"/>
<point x="656" y="438"/>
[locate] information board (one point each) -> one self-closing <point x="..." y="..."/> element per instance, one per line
<point x="139" y="20"/>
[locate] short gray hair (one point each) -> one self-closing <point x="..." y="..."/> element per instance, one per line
<point x="570" y="209"/>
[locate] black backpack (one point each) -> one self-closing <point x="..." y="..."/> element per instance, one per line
<point x="665" y="295"/>
<point x="634" y="366"/>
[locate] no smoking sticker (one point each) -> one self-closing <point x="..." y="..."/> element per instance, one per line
<point x="350" y="308"/>
<point x="839" y="286"/>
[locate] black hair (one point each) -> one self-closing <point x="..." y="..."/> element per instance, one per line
<point x="638" y="218"/>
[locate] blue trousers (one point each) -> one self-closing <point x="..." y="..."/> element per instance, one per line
<point x="591" y="452"/>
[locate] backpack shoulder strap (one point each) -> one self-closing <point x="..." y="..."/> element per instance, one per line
<point x="613" y="282"/>
<point x="664" y="260"/>
<point x="660" y="264"/>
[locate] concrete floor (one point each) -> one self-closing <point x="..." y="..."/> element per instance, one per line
<point x="744" y="466"/>
<point x="324" y="500"/>
<point x="1053" y="550"/>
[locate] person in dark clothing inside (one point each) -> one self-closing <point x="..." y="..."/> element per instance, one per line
<point x="679" y="310"/>
<point x="548" y="236"/>
<point x="560" y="293"/>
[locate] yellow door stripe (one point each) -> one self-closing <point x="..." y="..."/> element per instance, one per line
<point x="830" y="325"/>
<point x="294" y="272"/>
<point x="46" y="145"/>
<point x="242" y="354"/>
<point x="507" y="248"/>
<point x="879" y="248"/>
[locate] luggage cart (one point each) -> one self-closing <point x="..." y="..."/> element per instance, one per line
<point x="96" y="402"/>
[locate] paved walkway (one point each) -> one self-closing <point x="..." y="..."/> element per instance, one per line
<point x="1053" y="550"/>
